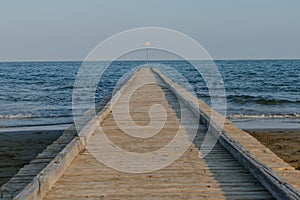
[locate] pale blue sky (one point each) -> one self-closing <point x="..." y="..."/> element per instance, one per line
<point x="227" y="29"/>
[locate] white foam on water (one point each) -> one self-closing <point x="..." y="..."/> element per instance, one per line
<point x="35" y="128"/>
<point x="268" y="116"/>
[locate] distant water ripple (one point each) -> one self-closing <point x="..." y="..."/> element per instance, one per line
<point x="40" y="93"/>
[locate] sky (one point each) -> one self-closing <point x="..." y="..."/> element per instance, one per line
<point x="70" y="29"/>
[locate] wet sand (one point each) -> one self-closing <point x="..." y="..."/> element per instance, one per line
<point x="18" y="148"/>
<point x="284" y="143"/>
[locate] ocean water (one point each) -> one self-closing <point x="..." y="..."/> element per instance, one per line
<point x="257" y="91"/>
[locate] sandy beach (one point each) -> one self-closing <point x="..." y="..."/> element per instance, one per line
<point x="284" y="143"/>
<point x="18" y="148"/>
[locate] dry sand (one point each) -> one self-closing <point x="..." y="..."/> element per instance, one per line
<point x="18" y="148"/>
<point x="284" y="143"/>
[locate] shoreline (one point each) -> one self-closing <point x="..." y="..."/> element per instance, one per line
<point x="285" y="143"/>
<point x="272" y="124"/>
<point x="29" y="129"/>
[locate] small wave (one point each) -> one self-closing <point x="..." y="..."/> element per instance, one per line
<point x="259" y="100"/>
<point x="276" y="65"/>
<point x="267" y="116"/>
<point x="17" y="116"/>
<point x="31" y="116"/>
<point x="68" y="87"/>
<point x="273" y="101"/>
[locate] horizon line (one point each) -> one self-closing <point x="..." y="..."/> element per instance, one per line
<point x="218" y="59"/>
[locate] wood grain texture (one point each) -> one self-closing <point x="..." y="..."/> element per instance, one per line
<point x="262" y="163"/>
<point x="217" y="176"/>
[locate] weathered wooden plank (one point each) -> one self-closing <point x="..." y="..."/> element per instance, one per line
<point x="76" y="174"/>
<point x="219" y="176"/>
<point x="243" y="147"/>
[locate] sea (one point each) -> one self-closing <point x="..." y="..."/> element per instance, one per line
<point x="260" y="94"/>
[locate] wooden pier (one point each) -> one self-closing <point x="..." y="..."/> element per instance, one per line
<point x="238" y="166"/>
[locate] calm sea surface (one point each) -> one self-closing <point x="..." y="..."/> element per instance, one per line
<point x="40" y="93"/>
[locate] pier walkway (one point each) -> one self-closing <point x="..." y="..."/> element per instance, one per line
<point x="217" y="176"/>
<point x="238" y="166"/>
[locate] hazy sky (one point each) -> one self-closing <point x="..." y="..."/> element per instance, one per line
<point x="70" y="29"/>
